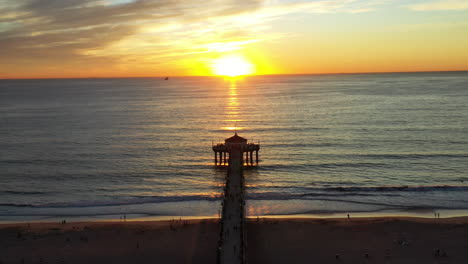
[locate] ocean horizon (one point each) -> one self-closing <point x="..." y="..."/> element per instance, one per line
<point x="331" y="144"/>
<point x="238" y="77"/>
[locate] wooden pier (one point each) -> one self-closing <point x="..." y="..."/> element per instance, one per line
<point x="231" y="247"/>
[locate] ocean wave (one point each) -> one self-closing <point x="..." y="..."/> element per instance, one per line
<point x="135" y="200"/>
<point x="378" y="190"/>
<point x="327" y="165"/>
<point x="297" y="196"/>
<point x="398" y="188"/>
<point x="24" y="192"/>
<point x="252" y="194"/>
<point x="118" y="202"/>
<point x="415" y="155"/>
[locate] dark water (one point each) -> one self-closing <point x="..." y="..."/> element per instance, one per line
<point x="329" y="143"/>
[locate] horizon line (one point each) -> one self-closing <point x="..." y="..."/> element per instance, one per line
<point x="221" y="76"/>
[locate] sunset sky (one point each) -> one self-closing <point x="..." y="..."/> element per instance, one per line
<point x="110" y="38"/>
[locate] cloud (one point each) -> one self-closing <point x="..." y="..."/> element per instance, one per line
<point x="440" y="5"/>
<point x="325" y="6"/>
<point x="44" y="31"/>
<point x="58" y="32"/>
<point x="428" y="27"/>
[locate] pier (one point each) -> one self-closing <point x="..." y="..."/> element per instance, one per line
<point x="247" y="149"/>
<point x="231" y="247"/>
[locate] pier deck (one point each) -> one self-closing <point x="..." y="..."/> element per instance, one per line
<point x="231" y="250"/>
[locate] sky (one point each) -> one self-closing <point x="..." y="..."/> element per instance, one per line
<point x="136" y="38"/>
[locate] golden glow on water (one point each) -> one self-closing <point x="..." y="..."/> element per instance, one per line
<point x="212" y="194"/>
<point x="233" y="101"/>
<point x="232" y="128"/>
<point x="232" y="108"/>
<point x="258" y="210"/>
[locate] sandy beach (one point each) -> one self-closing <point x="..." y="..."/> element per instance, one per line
<point x="284" y="240"/>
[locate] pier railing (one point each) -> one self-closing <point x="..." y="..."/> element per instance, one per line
<point x="223" y="150"/>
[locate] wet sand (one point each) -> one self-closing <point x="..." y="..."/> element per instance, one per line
<point x="384" y="240"/>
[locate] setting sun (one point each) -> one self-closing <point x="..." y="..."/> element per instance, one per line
<point x="232" y="66"/>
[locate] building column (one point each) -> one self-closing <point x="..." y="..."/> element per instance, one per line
<point x="216" y="158"/>
<point x="251" y="158"/>
<point x="225" y="158"/>
<point x="256" y="156"/>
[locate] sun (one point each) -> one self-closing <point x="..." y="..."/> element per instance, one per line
<point x="232" y="66"/>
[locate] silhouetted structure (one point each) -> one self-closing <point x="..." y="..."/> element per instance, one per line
<point x="231" y="246"/>
<point x="238" y="143"/>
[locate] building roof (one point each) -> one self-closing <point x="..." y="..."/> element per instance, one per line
<point x="235" y="139"/>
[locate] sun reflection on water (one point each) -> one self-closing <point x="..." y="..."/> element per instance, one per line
<point x="232" y="108"/>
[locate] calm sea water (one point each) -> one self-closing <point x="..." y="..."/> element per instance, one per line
<point x="142" y="147"/>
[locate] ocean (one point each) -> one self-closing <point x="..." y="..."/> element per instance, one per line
<point x="330" y="145"/>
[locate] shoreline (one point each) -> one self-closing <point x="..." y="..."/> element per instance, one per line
<point x="191" y="220"/>
<point x="426" y="214"/>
